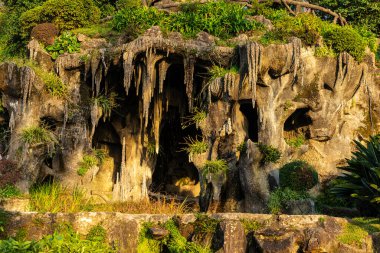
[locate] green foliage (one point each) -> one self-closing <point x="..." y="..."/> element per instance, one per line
<point x="296" y="142"/>
<point x="352" y="235"/>
<point x="324" y="51"/>
<point x="88" y="162"/>
<point x="221" y="19"/>
<point x="66" y="14"/>
<point x="270" y="154"/>
<point x="196" y="118"/>
<point x="36" y="135"/>
<point x="250" y="225"/>
<point x="361" y="176"/>
<point x="174" y="242"/>
<point x="298" y="176"/>
<point x="4" y="218"/>
<point x="327" y="198"/>
<point x="217" y="71"/>
<point x="218" y="166"/>
<point x="194" y="146"/>
<point x="280" y="198"/>
<point x="242" y="148"/>
<point x="9" y="191"/>
<point x="346" y="39"/>
<point x="103" y="30"/>
<point x="66" y="43"/>
<point x="205" y="224"/>
<point x="62" y="240"/>
<point x="364" y="13"/>
<point x="55" y="198"/>
<point x="97" y="234"/>
<point x="106" y="103"/>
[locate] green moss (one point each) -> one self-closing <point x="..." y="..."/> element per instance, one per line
<point x="97" y="234"/>
<point x="352" y="235"/>
<point x="324" y="51"/>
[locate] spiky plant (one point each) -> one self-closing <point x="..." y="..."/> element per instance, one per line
<point x="361" y="177"/>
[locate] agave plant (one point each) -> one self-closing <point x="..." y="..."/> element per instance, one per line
<point x="361" y="177"/>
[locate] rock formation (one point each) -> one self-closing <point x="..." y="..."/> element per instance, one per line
<point x="279" y="92"/>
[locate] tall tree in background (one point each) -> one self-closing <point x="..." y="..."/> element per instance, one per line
<point x="357" y="12"/>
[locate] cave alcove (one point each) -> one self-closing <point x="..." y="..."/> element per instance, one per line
<point x="298" y="124"/>
<point x="251" y="115"/>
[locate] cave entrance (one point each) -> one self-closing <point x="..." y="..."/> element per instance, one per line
<point x="251" y="115"/>
<point x="298" y="124"/>
<point x="173" y="173"/>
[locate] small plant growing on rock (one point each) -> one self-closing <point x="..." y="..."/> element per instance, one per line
<point x="66" y="43"/>
<point x="270" y="154"/>
<point x="217" y="71"/>
<point x="107" y="103"/>
<point x="97" y="234"/>
<point x="36" y="135"/>
<point x="96" y="158"/>
<point x="214" y="167"/>
<point x="242" y="148"/>
<point x="9" y="191"/>
<point x="298" y="176"/>
<point x="279" y="199"/>
<point x="194" y="146"/>
<point x="196" y="118"/>
<point x="250" y="225"/>
<point x="296" y="142"/>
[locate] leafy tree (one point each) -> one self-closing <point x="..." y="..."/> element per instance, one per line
<point x="358" y="12"/>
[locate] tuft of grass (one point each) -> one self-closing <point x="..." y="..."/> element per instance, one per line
<point x="194" y="146"/>
<point x="204" y="224"/>
<point x="279" y="199"/>
<point x="251" y="225"/>
<point x="95" y="31"/>
<point x="56" y="198"/>
<point x="148" y="207"/>
<point x="324" y="51"/>
<point x="97" y="234"/>
<point x="214" y="167"/>
<point x="270" y="154"/>
<point x="35" y="135"/>
<point x="296" y="142"/>
<point x="353" y="235"/>
<point x="217" y="71"/>
<point x="9" y="191"/>
<point x="196" y="118"/>
<point x="88" y="161"/>
<point x="107" y="103"/>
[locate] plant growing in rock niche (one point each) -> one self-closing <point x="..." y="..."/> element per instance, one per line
<point x="214" y="167"/>
<point x="196" y="118"/>
<point x="66" y="43"/>
<point x="298" y="176"/>
<point x="194" y="146"/>
<point x="296" y="142"/>
<point x="89" y="161"/>
<point x="270" y="154"/>
<point x="106" y="103"/>
<point x="37" y="135"/>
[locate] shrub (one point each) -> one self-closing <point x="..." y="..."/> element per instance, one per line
<point x="219" y="18"/>
<point x="296" y="142"/>
<point x="45" y="33"/>
<point x="345" y="39"/>
<point x="66" y="43"/>
<point x="66" y="14"/>
<point x="270" y="154"/>
<point x="88" y="161"/>
<point x="361" y="177"/>
<point x="242" y="148"/>
<point x="36" y="135"/>
<point x="298" y="176"/>
<point x="9" y="191"/>
<point x="280" y="198"/>
<point x="194" y="146"/>
<point x="97" y="234"/>
<point x="218" y="166"/>
<point x="53" y="84"/>
<point x="56" y="198"/>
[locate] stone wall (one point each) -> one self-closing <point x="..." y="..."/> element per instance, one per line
<point x="283" y="233"/>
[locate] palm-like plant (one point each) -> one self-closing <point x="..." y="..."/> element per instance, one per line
<point x="361" y="177"/>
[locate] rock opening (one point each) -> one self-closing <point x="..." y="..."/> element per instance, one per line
<point x="251" y="115"/>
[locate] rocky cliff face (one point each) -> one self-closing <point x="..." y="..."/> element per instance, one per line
<point x="277" y="93"/>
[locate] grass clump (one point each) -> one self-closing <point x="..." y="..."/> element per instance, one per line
<point x="66" y="43"/>
<point x="270" y="154"/>
<point x="106" y="103"/>
<point x="296" y="142"/>
<point x="214" y="167"/>
<point x="97" y="234"/>
<point x="174" y="242"/>
<point x="96" y="158"/>
<point x="217" y="71"/>
<point x="205" y="224"/>
<point x="194" y="146"/>
<point x="353" y="235"/>
<point x="196" y="118"/>
<point x="279" y="199"/>
<point x="37" y="135"/>
<point x="221" y="19"/>
<point x="56" y="198"/>
<point x="298" y="176"/>
<point x="9" y="191"/>
<point x="250" y="225"/>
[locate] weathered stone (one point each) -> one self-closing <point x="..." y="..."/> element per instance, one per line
<point x="234" y="237"/>
<point x="158" y="233"/>
<point x="297" y="207"/>
<point x="15" y="204"/>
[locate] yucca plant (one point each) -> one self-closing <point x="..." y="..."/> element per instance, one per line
<point x="361" y="177"/>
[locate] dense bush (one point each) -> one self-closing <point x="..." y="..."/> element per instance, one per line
<point x="66" y="14"/>
<point x="280" y="198"/>
<point x="270" y="154"/>
<point x="361" y="178"/>
<point x="298" y="176"/>
<point x="220" y="19"/>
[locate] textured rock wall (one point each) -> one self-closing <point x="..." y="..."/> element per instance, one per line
<point x="279" y="92"/>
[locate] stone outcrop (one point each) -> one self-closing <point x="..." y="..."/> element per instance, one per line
<point x="274" y="234"/>
<point x="279" y="92"/>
